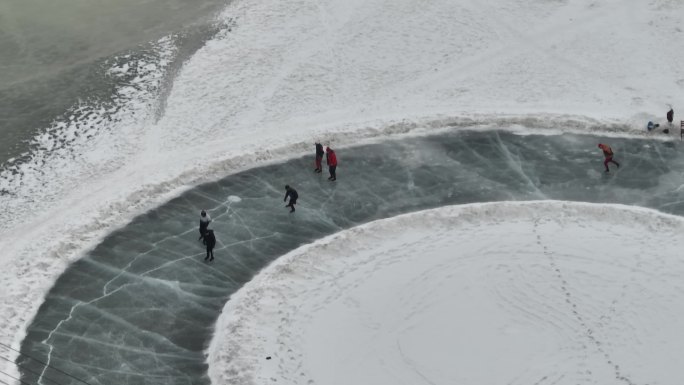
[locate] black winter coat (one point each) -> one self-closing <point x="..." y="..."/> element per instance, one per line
<point x="292" y="193"/>
<point x="210" y="239"/>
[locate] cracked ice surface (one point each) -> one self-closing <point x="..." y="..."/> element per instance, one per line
<point x="140" y="308"/>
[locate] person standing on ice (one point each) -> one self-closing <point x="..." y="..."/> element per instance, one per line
<point x="670" y="115"/>
<point x="608" y="153"/>
<point x="319" y="157"/>
<point x="331" y="159"/>
<point x="205" y="219"/>
<point x="210" y="241"/>
<point x="292" y="193"/>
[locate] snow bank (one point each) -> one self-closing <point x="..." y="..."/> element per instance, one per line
<point x="523" y="292"/>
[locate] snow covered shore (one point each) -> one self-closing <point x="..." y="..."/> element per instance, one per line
<point x="509" y="292"/>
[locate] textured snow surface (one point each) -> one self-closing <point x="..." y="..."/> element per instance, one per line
<point x="519" y="293"/>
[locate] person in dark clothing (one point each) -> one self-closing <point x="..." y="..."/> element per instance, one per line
<point x="319" y="157"/>
<point x="608" y="153"/>
<point x="205" y="219"/>
<point x="331" y="159"/>
<point x="210" y="241"/>
<point x="292" y="193"/>
<point x="670" y="116"/>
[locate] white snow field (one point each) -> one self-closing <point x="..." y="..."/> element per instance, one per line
<point x="287" y="72"/>
<point x="543" y="292"/>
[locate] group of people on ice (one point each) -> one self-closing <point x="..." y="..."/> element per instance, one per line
<point x="209" y="238"/>
<point x="330" y="159"/>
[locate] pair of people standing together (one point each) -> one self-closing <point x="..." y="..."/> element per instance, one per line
<point x="330" y="158"/>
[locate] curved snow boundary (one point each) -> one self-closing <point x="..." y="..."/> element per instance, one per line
<point x="59" y="229"/>
<point x="270" y="314"/>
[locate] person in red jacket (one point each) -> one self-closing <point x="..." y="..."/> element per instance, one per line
<point x="608" y="153"/>
<point x="331" y="159"/>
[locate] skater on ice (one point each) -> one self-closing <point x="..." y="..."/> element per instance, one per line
<point x="210" y="241"/>
<point x="205" y="219"/>
<point x="319" y="157"/>
<point x="331" y="159"/>
<point x="608" y="154"/>
<point x="670" y="116"/>
<point x="292" y="194"/>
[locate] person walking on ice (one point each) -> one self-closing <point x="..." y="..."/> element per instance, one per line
<point x="319" y="157"/>
<point x="608" y="153"/>
<point x="331" y="159"/>
<point x="205" y="219"/>
<point x="210" y="241"/>
<point x="292" y="193"/>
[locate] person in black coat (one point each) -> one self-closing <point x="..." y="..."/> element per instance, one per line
<point x="292" y="193"/>
<point x="319" y="157"/>
<point x="210" y="241"/>
<point x="670" y="116"/>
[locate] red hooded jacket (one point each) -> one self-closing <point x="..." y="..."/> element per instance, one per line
<point x="607" y="151"/>
<point x="330" y="157"/>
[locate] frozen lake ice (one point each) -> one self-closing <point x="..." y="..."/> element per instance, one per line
<point x="140" y="307"/>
